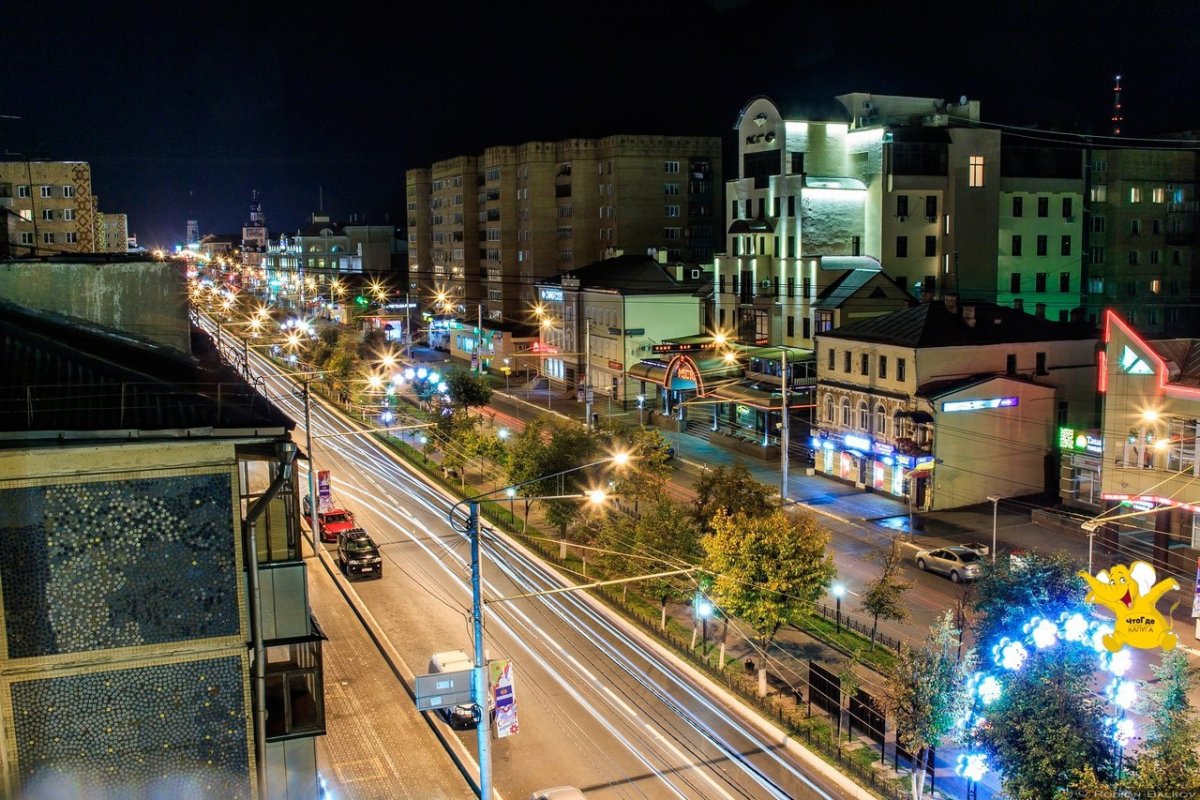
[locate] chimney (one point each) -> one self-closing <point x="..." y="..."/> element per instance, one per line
<point x="951" y="301"/>
<point x="1040" y="313"/>
<point x="968" y="315"/>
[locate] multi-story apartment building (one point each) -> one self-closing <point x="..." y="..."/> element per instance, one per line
<point x="500" y="222"/>
<point x="112" y="232"/>
<point x="1148" y="453"/>
<point x="913" y="184"/>
<point x="157" y="631"/>
<point x="1142" y="256"/>
<point x="945" y="403"/>
<point x="56" y="212"/>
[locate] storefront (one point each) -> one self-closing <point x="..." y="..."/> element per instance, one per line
<point x="877" y="465"/>
<point x="1080" y="455"/>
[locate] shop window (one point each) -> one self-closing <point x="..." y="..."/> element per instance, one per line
<point x="294" y="690"/>
<point x="1181" y="453"/>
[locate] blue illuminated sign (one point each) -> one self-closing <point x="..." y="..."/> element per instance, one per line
<point x="853" y="442"/>
<point x="977" y="405"/>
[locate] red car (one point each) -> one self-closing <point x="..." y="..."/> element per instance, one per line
<point x="333" y="522"/>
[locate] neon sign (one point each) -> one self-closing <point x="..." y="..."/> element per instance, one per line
<point x="1079" y="441"/>
<point x="978" y="405"/>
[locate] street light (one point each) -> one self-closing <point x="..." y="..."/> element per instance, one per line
<point x="704" y="610"/>
<point x="478" y="676"/>
<point x="838" y="591"/>
<point x="641" y="400"/>
<point x="995" y="501"/>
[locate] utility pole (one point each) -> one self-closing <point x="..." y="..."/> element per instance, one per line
<point x="478" y="677"/>
<point x="407" y="325"/>
<point x="587" y="370"/>
<point x="784" y="435"/>
<point x="312" y="468"/>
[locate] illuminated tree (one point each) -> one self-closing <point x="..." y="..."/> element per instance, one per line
<point x="926" y="692"/>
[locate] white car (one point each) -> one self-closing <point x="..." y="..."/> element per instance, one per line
<point x="960" y="563"/>
<point x="558" y="793"/>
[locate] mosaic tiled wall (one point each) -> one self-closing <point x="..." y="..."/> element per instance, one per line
<point x="91" y="566"/>
<point x="175" y="730"/>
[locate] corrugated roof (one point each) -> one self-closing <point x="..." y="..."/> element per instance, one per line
<point x="933" y="325"/>
<point x="627" y="274"/>
<point x="61" y="376"/>
<point x="1184" y="356"/>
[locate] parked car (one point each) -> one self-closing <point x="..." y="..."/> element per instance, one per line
<point x="333" y="522"/>
<point x="960" y="563"/>
<point x="357" y="555"/>
<point x="460" y="716"/>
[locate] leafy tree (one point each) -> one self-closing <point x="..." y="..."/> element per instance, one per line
<point x="1048" y="724"/>
<point x="732" y="490"/>
<point x="646" y="475"/>
<point x="768" y="570"/>
<point x="1168" y="764"/>
<point x="468" y="390"/>
<point x="666" y="532"/>
<point x="569" y="447"/>
<point x="884" y="596"/>
<point x="527" y="455"/>
<point x="926" y="692"/>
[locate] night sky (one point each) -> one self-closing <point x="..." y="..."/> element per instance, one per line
<point x="182" y="108"/>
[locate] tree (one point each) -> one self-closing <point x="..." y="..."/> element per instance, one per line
<point x="1047" y="724"/>
<point x="884" y="596"/>
<point x="767" y="570"/>
<point x="468" y="390"/>
<point x="648" y="471"/>
<point x="666" y="532"/>
<point x="1167" y="764"/>
<point x="569" y="447"/>
<point x="527" y="455"/>
<point x="732" y="490"/>
<point x="925" y="691"/>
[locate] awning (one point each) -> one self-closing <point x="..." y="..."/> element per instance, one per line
<point x="924" y="466"/>
<point x="654" y="373"/>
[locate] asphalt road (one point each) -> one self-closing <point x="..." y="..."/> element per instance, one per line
<point x="599" y="707"/>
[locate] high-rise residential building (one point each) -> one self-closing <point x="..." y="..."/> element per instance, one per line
<point x="112" y="232"/>
<point x="1142" y="248"/>
<point x="484" y="229"/>
<point x="56" y="212"/>
<point x="913" y="185"/>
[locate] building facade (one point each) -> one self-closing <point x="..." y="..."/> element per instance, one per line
<point x="300" y="268"/>
<point x="500" y="222"/>
<point x="56" y="212"/>
<point x="945" y="404"/>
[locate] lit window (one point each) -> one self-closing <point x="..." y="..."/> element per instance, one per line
<point x="975" y="178"/>
<point x="1156" y="286"/>
<point x="1158" y="195"/>
<point x="1135" y="194"/>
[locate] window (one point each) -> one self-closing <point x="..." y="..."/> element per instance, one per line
<point x="1099" y="194"/>
<point x="1014" y="283"/>
<point x="47" y="238"/>
<point x="776" y="207"/>
<point x="900" y="364"/>
<point x="1135" y="226"/>
<point x="68" y="191"/>
<point x="1177" y="257"/>
<point x="791" y="205"/>
<point x="864" y="365"/>
<point x="975" y="177"/>
<point x="1064" y="247"/>
<point x="1097" y="224"/>
<point x="1043" y="206"/>
<point x="930" y="246"/>
<point x="824" y="321"/>
<point x="1181" y="453"/>
<point x="856" y="245"/>
<point x="1040" y="360"/>
<point x="1067" y="208"/>
<point x="1096" y="255"/>
<point x="294" y="689"/>
<point x="902" y="205"/>
<point x="672" y="234"/>
<point x="1135" y="194"/>
<point x="1042" y="244"/>
<point x="672" y="211"/>
<point x="828" y="416"/>
<point x="1010" y="364"/>
<point x="26" y="238"/>
<point x="863" y="415"/>
<point x="1158" y="195"/>
<point x="47" y="214"/>
<point x="846" y="362"/>
<point x="832" y="357"/>
<point x="901" y="247"/>
<point x="807" y="328"/>
<point x="733" y="209"/>
<point x="883" y="367"/>
<point x="880" y="420"/>
<point x="72" y="238"/>
<point x="791" y="326"/>
<point x="47" y="191"/>
<point x="1018" y="206"/>
<point x="1134" y="260"/>
<point x="1064" y="281"/>
<point x="791" y="286"/>
<point x="1016" y="244"/>
<point x="68" y="214"/>
<point x="1155" y="286"/>
<point x="23" y="191"/>
<point x="671" y="167"/>
<point x="931" y="207"/>
<point x="806" y="288"/>
<point x="845" y="413"/>
<point x="1039" y="282"/>
<point x="1155" y="257"/>
<point x="1156" y="226"/>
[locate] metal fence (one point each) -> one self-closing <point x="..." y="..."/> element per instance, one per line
<point x="862" y="628"/>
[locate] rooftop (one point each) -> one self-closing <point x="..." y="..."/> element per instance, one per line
<point x="1182" y="357"/>
<point x="627" y="274"/>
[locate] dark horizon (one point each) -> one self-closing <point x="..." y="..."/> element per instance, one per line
<point x="182" y="111"/>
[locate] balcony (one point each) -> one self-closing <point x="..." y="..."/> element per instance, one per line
<point x="295" y="687"/>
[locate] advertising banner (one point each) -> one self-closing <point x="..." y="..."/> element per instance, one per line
<point x="1196" y="598"/>
<point x="500" y="674"/>
<point x="324" y="492"/>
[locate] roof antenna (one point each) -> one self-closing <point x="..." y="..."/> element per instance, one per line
<point x="1117" y="116"/>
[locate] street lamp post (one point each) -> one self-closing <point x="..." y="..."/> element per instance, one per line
<point x="704" y="610"/>
<point x="838" y="591"/>
<point x="995" y="500"/>
<point x="641" y="400"/>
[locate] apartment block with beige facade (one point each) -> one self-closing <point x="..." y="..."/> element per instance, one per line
<point x="500" y="222"/>
<point x="56" y="212"/>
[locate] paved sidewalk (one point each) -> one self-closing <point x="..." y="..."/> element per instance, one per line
<point x="378" y="746"/>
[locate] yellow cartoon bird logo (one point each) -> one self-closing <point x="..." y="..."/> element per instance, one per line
<point x="1131" y="594"/>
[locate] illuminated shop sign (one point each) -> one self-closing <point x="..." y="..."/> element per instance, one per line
<point x="853" y="442"/>
<point x="978" y="405"/>
<point x="551" y="295"/>
<point x="683" y="347"/>
<point x="1075" y="441"/>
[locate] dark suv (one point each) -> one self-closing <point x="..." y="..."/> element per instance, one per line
<point x="358" y="556"/>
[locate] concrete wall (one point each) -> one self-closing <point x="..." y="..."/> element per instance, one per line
<point x="147" y="300"/>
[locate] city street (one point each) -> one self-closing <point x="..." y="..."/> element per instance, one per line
<point x="599" y="707"/>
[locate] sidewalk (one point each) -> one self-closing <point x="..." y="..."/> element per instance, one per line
<point x="377" y="745"/>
